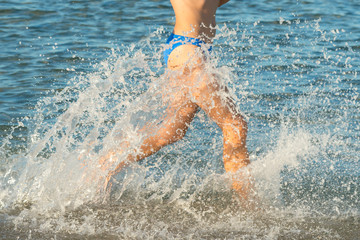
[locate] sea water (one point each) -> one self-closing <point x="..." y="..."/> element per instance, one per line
<point x="80" y="78"/>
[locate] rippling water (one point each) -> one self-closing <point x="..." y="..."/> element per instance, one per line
<point x="76" y="77"/>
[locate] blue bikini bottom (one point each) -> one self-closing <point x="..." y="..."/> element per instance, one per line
<point x="175" y="41"/>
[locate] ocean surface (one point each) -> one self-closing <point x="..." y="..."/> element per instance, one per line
<point x="78" y="78"/>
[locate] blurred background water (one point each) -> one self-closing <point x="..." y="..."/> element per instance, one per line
<point x="77" y="72"/>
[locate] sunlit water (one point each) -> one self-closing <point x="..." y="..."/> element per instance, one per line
<point x="80" y="77"/>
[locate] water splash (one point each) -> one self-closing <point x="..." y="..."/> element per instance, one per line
<point x="302" y="136"/>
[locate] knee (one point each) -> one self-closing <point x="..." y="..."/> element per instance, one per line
<point x="235" y="131"/>
<point x="177" y="134"/>
<point x="236" y="121"/>
<point x="170" y="136"/>
<point x="242" y="125"/>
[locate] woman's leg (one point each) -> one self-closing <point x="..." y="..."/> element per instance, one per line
<point x="214" y="99"/>
<point x="172" y="129"/>
<point x="208" y="94"/>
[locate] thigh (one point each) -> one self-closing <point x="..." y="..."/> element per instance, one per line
<point x="215" y="99"/>
<point x="179" y="117"/>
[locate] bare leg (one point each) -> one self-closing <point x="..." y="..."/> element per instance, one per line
<point x="234" y="127"/>
<point x="213" y="98"/>
<point x="172" y="129"/>
<point x="208" y="94"/>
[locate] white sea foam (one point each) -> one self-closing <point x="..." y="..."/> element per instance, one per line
<point x="55" y="184"/>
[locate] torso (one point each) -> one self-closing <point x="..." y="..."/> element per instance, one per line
<point x="195" y="18"/>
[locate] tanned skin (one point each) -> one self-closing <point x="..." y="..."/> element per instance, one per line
<point x="196" y="18"/>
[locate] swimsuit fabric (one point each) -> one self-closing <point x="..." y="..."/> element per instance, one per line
<point x="175" y="41"/>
